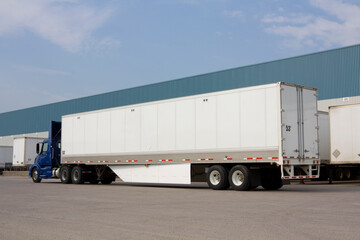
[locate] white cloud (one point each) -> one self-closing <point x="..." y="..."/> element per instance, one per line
<point x="67" y="23"/>
<point x="295" y="19"/>
<point x="340" y="25"/>
<point x="234" y="14"/>
<point x="44" y="71"/>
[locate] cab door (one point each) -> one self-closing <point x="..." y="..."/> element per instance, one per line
<point x="44" y="156"/>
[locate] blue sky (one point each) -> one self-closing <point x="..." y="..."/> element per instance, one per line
<point x="54" y="50"/>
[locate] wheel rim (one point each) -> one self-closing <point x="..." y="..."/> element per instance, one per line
<point x="64" y="175"/>
<point x="341" y="175"/>
<point x="215" y="177"/>
<point x="238" y="178"/>
<point x="348" y="174"/>
<point x="35" y="174"/>
<point x="76" y="175"/>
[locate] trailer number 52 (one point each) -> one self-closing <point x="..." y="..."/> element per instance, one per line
<point x="288" y="128"/>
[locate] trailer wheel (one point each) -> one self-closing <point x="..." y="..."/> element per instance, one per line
<point x="271" y="179"/>
<point x="65" y="174"/>
<point x="217" y="178"/>
<point x="35" y="175"/>
<point x="77" y="176"/>
<point x="347" y="173"/>
<point x="339" y="174"/>
<point x="239" y="178"/>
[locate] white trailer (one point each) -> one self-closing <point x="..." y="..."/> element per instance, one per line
<point x="340" y="135"/>
<point x="24" y="151"/>
<point x="6" y="153"/>
<point x="242" y="137"/>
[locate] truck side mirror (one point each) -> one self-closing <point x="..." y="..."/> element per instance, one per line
<point x="37" y="148"/>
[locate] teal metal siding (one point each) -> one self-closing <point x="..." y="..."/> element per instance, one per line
<point x="336" y="73"/>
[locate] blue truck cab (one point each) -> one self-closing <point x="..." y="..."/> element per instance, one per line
<point x="47" y="162"/>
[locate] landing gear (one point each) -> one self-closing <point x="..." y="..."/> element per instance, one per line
<point x="35" y="175"/>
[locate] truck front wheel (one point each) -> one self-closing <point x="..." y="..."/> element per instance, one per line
<point x="217" y="178"/>
<point x="77" y="176"/>
<point x="65" y="174"/>
<point x="35" y="175"/>
<point x="239" y="178"/>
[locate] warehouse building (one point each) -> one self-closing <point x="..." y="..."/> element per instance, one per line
<point x="336" y="74"/>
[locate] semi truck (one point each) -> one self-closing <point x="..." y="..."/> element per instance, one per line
<point x="340" y="142"/>
<point x="239" y="138"/>
<point x="24" y="153"/>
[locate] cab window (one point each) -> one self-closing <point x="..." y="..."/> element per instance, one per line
<point x="45" y="148"/>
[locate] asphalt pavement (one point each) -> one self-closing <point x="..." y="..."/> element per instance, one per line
<point x="51" y="210"/>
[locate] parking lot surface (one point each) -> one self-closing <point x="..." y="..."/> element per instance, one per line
<point x="51" y="210"/>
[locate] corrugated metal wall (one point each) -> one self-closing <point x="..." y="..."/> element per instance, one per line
<point x="336" y="73"/>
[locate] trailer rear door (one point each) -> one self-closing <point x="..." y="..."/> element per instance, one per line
<point x="299" y="122"/>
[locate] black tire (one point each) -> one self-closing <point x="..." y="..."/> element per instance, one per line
<point x="35" y="175"/>
<point x="77" y="176"/>
<point x="65" y="174"/>
<point x="217" y="177"/>
<point x="239" y="178"/>
<point x="339" y="174"/>
<point x="106" y="181"/>
<point x="347" y="173"/>
<point x="271" y="179"/>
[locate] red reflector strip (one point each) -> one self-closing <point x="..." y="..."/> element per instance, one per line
<point x="131" y="160"/>
<point x="253" y="158"/>
<point x="307" y="157"/>
<point x="186" y="160"/>
<point x="103" y="161"/>
<point x="205" y="159"/>
<point x="273" y="158"/>
<point x="284" y="156"/>
<point x="313" y="157"/>
<point x="228" y="159"/>
<point x="78" y="161"/>
<point x="67" y="162"/>
<point x="90" y="161"/>
<point x="149" y="160"/>
<point x="292" y="157"/>
<point x="210" y="159"/>
<point x="286" y="177"/>
<point x="294" y="177"/>
<point x="118" y="161"/>
<point x="165" y="160"/>
<point x="307" y="176"/>
<point x="314" y="176"/>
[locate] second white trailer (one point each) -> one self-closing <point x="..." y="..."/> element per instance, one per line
<point x="267" y="130"/>
<point x="6" y="153"/>
<point x="24" y="151"/>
